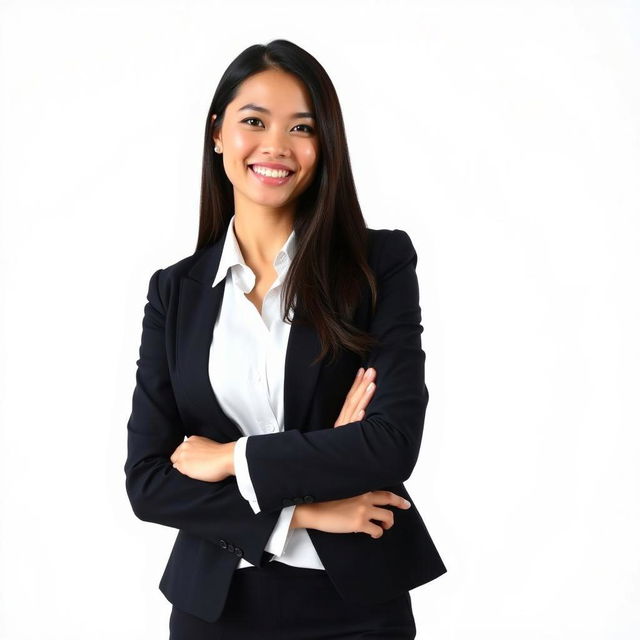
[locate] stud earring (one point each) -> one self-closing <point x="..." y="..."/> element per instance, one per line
<point x="216" y="149"/>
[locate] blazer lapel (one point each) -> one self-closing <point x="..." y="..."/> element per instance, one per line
<point x="198" y="308"/>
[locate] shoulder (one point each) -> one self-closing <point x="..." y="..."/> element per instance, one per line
<point x="180" y="268"/>
<point x="165" y="279"/>
<point x="390" y="250"/>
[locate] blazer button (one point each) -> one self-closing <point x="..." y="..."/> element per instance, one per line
<point x="298" y="500"/>
<point x="231" y="548"/>
<point x="222" y="543"/>
<point x="287" y="502"/>
<point x="239" y="552"/>
<point x="308" y="499"/>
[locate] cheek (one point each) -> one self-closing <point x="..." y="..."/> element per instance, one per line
<point x="237" y="149"/>
<point x="239" y="144"/>
<point x="309" y="158"/>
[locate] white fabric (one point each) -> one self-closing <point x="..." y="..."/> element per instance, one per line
<point x="246" y="368"/>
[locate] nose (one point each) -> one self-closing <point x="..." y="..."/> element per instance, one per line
<point x="276" y="143"/>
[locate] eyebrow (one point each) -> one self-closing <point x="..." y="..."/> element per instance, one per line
<point x="254" y="107"/>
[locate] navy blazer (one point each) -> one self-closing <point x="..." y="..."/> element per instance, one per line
<point x="309" y="461"/>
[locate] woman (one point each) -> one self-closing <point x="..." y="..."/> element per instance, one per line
<point x="287" y="492"/>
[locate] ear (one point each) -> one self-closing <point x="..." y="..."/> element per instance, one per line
<point x="216" y="138"/>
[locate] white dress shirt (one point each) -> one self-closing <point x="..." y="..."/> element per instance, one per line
<point x="246" y="368"/>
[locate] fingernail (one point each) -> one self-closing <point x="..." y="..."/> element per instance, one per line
<point x="360" y="370"/>
<point x="369" y="386"/>
<point x="369" y="373"/>
<point x="407" y="503"/>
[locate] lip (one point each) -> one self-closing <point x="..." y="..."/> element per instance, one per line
<point x="266" y="179"/>
<point x="273" y="165"/>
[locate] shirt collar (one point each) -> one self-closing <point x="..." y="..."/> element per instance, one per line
<point x="231" y="258"/>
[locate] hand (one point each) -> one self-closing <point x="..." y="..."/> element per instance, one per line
<point x="350" y="515"/>
<point x="357" y="398"/>
<point x="204" y="459"/>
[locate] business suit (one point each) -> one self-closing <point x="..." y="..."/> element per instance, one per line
<point x="310" y="461"/>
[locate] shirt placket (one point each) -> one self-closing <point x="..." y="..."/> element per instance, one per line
<point x="268" y="421"/>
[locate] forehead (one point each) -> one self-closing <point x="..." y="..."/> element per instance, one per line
<point x="274" y="89"/>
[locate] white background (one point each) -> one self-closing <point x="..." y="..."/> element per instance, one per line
<point x="504" y="137"/>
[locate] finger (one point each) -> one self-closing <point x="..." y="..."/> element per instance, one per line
<point x="357" y="398"/>
<point x="385" y="516"/>
<point x="358" y="387"/>
<point x="363" y="401"/>
<point x="366" y="395"/>
<point x="388" y="497"/>
<point x="347" y="407"/>
<point x="401" y="502"/>
<point x="373" y="530"/>
<point x="364" y="385"/>
<point x="351" y="400"/>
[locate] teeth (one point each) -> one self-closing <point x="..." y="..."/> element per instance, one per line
<point x="270" y="173"/>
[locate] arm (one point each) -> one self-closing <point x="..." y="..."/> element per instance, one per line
<point x="157" y="491"/>
<point x="280" y="536"/>
<point x="380" y="450"/>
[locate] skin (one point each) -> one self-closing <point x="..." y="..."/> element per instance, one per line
<point x="263" y="221"/>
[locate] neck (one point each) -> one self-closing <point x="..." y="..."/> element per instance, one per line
<point x="261" y="235"/>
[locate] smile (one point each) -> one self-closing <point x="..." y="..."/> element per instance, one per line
<point x="270" y="176"/>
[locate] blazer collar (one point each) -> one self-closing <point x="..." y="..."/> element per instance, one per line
<point x="200" y="300"/>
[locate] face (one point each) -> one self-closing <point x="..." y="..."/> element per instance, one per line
<point x="266" y="125"/>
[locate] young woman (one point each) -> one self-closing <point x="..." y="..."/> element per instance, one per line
<point x="288" y="489"/>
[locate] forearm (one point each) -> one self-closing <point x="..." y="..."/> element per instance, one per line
<point x="330" y="464"/>
<point x="161" y="494"/>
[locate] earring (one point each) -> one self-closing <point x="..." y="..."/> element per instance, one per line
<point x="216" y="149"/>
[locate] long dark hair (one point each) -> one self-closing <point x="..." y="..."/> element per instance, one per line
<point x="330" y="267"/>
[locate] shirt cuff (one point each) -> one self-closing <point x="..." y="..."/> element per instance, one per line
<point x="242" y="473"/>
<point x="281" y="532"/>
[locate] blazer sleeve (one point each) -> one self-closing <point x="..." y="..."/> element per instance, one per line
<point x="381" y="450"/>
<point x="157" y="491"/>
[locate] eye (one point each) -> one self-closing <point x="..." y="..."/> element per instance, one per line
<point x="309" y="129"/>
<point x="255" y="119"/>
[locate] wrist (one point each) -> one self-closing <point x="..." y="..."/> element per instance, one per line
<point x="300" y="518"/>
<point x="231" y="467"/>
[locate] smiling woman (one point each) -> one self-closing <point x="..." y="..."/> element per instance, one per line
<point x="280" y="396"/>
<point x="251" y="145"/>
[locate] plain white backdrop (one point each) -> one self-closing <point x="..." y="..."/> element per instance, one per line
<point x="504" y="137"/>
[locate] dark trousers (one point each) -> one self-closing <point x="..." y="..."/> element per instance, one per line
<point x="282" y="602"/>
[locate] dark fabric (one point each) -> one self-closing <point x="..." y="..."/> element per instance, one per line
<point x="282" y="602"/>
<point x="310" y="461"/>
